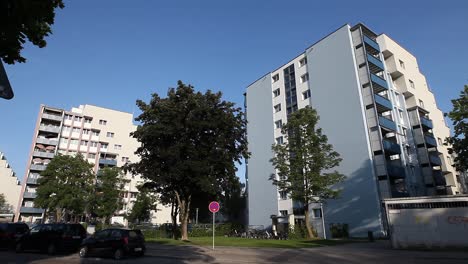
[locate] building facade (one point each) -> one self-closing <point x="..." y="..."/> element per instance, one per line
<point x="10" y="186"/>
<point x="101" y="135"/>
<point x="388" y="141"/>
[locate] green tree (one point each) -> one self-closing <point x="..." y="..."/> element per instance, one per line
<point x="459" y="141"/>
<point x="305" y="161"/>
<point x="106" y="199"/>
<point x="190" y="142"/>
<point x="66" y="186"/>
<point x="141" y="210"/>
<point x="24" y="19"/>
<point x="5" y="208"/>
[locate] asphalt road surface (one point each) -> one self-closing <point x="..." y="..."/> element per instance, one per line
<point x="356" y="253"/>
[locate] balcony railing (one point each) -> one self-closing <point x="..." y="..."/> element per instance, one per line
<point x="32" y="180"/>
<point x="38" y="167"/>
<point x="426" y="122"/>
<point x="52" y="117"/>
<point x="378" y="83"/>
<point x="430" y="141"/>
<point x="49" y="128"/>
<point x="395" y="171"/>
<point x="43" y="154"/>
<point x="383" y="104"/>
<point x="31" y="210"/>
<point x="391" y="147"/>
<point x="109" y="162"/>
<point x="47" y="141"/>
<point x="375" y="64"/>
<point x="372" y="43"/>
<point x="29" y="195"/>
<point x="387" y="123"/>
<point x="435" y="159"/>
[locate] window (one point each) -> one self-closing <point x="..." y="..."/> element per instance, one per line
<point x="304" y="78"/>
<point x="402" y="64"/>
<point x="411" y="84"/>
<point x="104" y="145"/>
<point x="133" y="195"/>
<point x="283" y="212"/>
<point x="93" y="144"/>
<point x="302" y="62"/>
<point x="400" y="113"/>
<point x="68" y="117"/>
<point x="404" y="131"/>
<point x="279" y="124"/>
<point x="421" y="103"/>
<point x="84" y="143"/>
<point x="306" y="95"/>
<point x="317" y="213"/>
<point x="95" y="133"/>
<point x="275" y="78"/>
<point x="277" y="108"/>
<point x="87" y="120"/>
<point x="103" y="122"/>
<point x="110" y="134"/>
<point x="78" y="118"/>
<point x="279" y="140"/>
<point x="440" y="141"/>
<point x="74" y="142"/>
<point x="117" y="146"/>
<point x="125" y="159"/>
<point x="85" y="131"/>
<point x="276" y="92"/>
<point x="76" y="130"/>
<point x="283" y="195"/>
<point x="66" y="129"/>
<point x="64" y="141"/>
<point x="91" y="156"/>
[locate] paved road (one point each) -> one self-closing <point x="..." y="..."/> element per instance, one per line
<point x="357" y="253"/>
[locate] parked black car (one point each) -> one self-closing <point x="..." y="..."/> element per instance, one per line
<point x="52" y="238"/>
<point x="9" y="232"/>
<point x="115" y="242"/>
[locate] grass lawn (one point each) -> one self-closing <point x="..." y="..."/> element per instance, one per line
<point x="246" y="242"/>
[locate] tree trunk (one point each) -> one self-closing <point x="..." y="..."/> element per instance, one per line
<point x="174" y="213"/>
<point x="184" y="205"/>
<point x="310" y="233"/>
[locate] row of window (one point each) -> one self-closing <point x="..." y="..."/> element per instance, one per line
<point x="88" y="143"/>
<point x="429" y="205"/>
<point x="87" y="120"/>
<point x="89" y="155"/>
<point x="86" y="131"/>
<point x="305" y="95"/>
<point x="304" y="78"/>
<point x="316" y="213"/>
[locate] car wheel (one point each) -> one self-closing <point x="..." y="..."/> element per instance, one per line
<point x="83" y="252"/>
<point x="19" y="247"/>
<point x="118" y="254"/>
<point x="51" y="250"/>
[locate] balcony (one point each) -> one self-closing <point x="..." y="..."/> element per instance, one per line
<point x="46" y="141"/>
<point x="387" y="123"/>
<point x="395" y="171"/>
<point x="32" y="180"/>
<point x="383" y="104"/>
<point x="38" y="167"/>
<point x="49" y="128"/>
<point x="439" y="179"/>
<point x="375" y="65"/>
<point x="435" y="159"/>
<point x="108" y="162"/>
<point x="43" y="154"/>
<point x="29" y="195"/>
<point x="426" y="122"/>
<point x="52" y="117"/>
<point x="430" y="141"/>
<point x="372" y="44"/>
<point x="31" y="210"/>
<point x="391" y="147"/>
<point x="378" y="84"/>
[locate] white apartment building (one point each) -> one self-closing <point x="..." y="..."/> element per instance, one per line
<point x="383" y="120"/>
<point x="10" y="186"/>
<point x="101" y="135"/>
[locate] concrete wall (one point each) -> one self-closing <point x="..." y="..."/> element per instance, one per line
<point x="335" y="90"/>
<point x="10" y="187"/>
<point x="262" y="199"/>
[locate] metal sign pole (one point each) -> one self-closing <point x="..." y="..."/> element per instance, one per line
<point x="213" y="228"/>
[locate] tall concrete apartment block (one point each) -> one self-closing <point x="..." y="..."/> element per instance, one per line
<point x="10" y="186"/>
<point x="377" y="111"/>
<point x="101" y="135"/>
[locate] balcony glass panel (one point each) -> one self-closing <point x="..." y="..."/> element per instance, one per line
<point x="376" y="62"/>
<point x="38" y="167"/>
<point x="371" y="43"/>
<point x="110" y="162"/>
<point x="52" y="117"/>
<point x="383" y="103"/>
<point x="439" y="179"/>
<point x="391" y="147"/>
<point x="378" y="83"/>
<point x="31" y="210"/>
<point x="430" y="141"/>
<point x="426" y="122"/>
<point x="387" y="123"/>
<point x="47" y="141"/>
<point x="29" y="195"/>
<point x="435" y="159"/>
<point x="395" y="171"/>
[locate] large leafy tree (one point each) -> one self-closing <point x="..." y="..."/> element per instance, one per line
<point x="459" y="141"/>
<point x="5" y="208"/>
<point x="106" y="199"/>
<point x="22" y="20"/>
<point x="141" y="210"/>
<point x="66" y="186"/>
<point x="305" y="161"/>
<point x="190" y="142"/>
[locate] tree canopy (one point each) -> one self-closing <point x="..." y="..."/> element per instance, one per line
<point x="459" y="142"/>
<point x="65" y="186"/>
<point x="22" y="20"/>
<point x="5" y="208"/>
<point x="190" y="142"/>
<point x="304" y="162"/>
<point x="141" y="210"/>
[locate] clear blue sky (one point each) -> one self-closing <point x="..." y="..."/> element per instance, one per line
<point x="110" y="53"/>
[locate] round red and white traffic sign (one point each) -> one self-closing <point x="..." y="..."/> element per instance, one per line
<point x="214" y="207"/>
